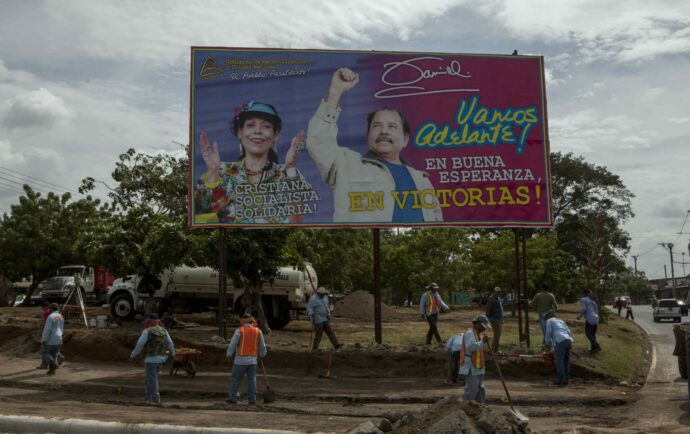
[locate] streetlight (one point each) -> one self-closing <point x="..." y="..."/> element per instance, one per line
<point x="669" y="246"/>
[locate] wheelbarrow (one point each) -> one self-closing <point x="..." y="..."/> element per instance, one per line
<point x="185" y="358"/>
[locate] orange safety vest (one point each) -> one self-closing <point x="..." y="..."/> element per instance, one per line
<point x="477" y="357"/>
<point x="249" y="341"/>
<point x="433" y="303"/>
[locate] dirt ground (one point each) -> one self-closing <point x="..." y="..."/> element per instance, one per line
<point x="399" y="385"/>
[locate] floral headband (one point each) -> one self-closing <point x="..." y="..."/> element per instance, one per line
<point x="259" y="107"/>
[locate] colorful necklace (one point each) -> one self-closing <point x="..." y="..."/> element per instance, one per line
<point x="251" y="172"/>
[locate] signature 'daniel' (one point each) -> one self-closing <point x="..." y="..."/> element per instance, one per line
<point x="416" y="77"/>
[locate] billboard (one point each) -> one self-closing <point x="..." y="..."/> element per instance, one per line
<point x="310" y="138"/>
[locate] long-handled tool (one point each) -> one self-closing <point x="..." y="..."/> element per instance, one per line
<point x="518" y="415"/>
<point x="328" y="372"/>
<point x="311" y="344"/>
<point x="269" y="394"/>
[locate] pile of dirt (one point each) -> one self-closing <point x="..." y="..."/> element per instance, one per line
<point x="451" y="415"/>
<point x="360" y="305"/>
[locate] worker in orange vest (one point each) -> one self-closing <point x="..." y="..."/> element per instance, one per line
<point x="472" y="359"/>
<point x="246" y="345"/>
<point x="430" y="304"/>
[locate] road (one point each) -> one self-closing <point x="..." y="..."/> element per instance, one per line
<point x="664" y="405"/>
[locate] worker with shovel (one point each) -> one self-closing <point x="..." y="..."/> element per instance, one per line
<point x="246" y="345"/>
<point x="320" y="315"/>
<point x="472" y="359"/>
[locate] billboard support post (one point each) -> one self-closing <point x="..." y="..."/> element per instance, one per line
<point x="376" y="232"/>
<point x="222" y="285"/>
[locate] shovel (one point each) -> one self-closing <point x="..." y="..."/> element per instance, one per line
<point x="311" y="343"/>
<point x="269" y="395"/>
<point x="518" y="415"/>
<point x="328" y="372"/>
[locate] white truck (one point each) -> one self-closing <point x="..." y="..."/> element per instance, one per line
<point x="95" y="280"/>
<point x="196" y="289"/>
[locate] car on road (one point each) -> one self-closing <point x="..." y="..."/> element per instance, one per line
<point x="683" y="307"/>
<point x="667" y="308"/>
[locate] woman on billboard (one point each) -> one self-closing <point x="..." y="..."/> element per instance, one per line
<point x="255" y="188"/>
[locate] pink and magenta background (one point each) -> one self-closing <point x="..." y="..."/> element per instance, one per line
<point x="502" y="82"/>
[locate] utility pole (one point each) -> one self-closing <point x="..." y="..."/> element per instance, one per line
<point x="669" y="246"/>
<point x="635" y="259"/>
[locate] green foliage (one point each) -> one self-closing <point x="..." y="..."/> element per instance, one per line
<point x="627" y="283"/>
<point x="412" y="259"/>
<point x="590" y="206"/>
<point x="37" y="236"/>
<point x="342" y="257"/>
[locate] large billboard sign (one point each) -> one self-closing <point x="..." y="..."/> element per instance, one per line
<point x="306" y="138"/>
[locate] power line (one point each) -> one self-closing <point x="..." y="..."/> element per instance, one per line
<point x="684" y="221"/>
<point x="8" y="187"/>
<point x="35" y="180"/>
<point x="648" y="251"/>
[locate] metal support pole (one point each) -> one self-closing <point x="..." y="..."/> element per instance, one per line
<point x="222" y="283"/>
<point x="673" y="276"/>
<point x="376" y="232"/>
<point x="524" y="282"/>
<point x="518" y="292"/>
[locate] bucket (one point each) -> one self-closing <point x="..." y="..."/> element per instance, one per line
<point x="102" y="321"/>
<point x="92" y="322"/>
<point x="548" y="358"/>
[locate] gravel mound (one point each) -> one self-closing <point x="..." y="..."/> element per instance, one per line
<point x="360" y="305"/>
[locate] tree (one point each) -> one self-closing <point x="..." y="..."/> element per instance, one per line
<point x="493" y="259"/>
<point x="148" y="231"/>
<point x="590" y="206"/>
<point x="413" y="259"/>
<point x="40" y="233"/>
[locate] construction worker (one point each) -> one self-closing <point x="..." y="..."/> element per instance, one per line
<point x="246" y="345"/>
<point x="51" y="339"/>
<point x="430" y="305"/>
<point x="152" y="341"/>
<point x="319" y="315"/>
<point x="494" y="311"/>
<point x="543" y="301"/>
<point x="559" y="337"/>
<point x="472" y="359"/>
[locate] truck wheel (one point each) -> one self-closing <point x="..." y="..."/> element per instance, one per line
<point x="7" y="296"/>
<point x="122" y="306"/>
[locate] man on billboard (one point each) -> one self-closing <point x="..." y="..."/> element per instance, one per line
<point x="378" y="186"/>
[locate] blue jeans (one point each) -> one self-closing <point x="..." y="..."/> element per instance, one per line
<point x="561" y="353"/>
<point x="152" y="394"/>
<point x="238" y="372"/>
<point x="454" y="361"/>
<point x="50" y="354"/>
<point x="591" y="333"/>
<point x="474" y="388"/>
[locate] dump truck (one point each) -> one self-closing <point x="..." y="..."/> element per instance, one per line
<point x="93" y="280"/>
<point x="195" y="289"/>
<point x="682" y="348"/>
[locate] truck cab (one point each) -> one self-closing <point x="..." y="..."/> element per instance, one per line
<point x="93" y="280"/>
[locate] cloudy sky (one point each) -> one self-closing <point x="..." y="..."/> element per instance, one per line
<point x="82" y="81"/>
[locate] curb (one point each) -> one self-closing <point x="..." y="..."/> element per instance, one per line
<point x="36" y="424"/>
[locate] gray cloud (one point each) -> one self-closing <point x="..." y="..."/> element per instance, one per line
<point x="36" y="109"/>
